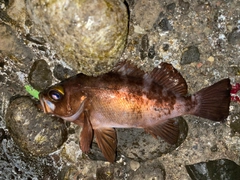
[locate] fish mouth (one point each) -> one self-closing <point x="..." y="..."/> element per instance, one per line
<point x="47" y="106"/>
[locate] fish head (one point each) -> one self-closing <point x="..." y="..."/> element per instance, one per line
<point x="63" y="101"/>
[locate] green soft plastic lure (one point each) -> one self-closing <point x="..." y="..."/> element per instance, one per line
<point x="32" y="91"/>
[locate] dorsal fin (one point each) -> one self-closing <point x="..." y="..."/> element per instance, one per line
<point x="165" y="75"/>
<point x="168" y="77"/>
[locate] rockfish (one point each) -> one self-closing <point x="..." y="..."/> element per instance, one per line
<point x="127" y="97"/>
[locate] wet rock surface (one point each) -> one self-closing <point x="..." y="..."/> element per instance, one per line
<point x="90" y="41"/>
<point x="40" y="76"/>
<point x="219" y="169"/>
<point x="35" y="133"/>
<point x="14" y="164"/>
<point x="158" y="31"/>
<point x="131" y="143"/>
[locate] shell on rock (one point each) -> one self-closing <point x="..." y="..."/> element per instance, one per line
<point x="89" y="35"/>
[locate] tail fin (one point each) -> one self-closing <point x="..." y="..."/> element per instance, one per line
<point x="213" y="102"/>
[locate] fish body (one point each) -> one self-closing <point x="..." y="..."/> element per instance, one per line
<point x="130" y="98"/>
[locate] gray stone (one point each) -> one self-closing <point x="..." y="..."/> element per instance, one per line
<point x="221" y="169"/>
<point x="234" y="37"/>
<point x="135" y="144"/>
<point x="89" y="35"/>
<point x="34" y="132"/>
<point x="40" y="76"/>
<point x="191" y="54"/>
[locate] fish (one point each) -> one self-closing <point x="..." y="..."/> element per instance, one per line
<point x="128" y="97"/>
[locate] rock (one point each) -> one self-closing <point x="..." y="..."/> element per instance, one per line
<point x="62" y="73"/>
<point x="10" y="44"/>
<point x="165" y="25"/>
<point x="17" y="11"/>
<point x="40" y="76"/>
<point x="171" y="8"/>
<point x="234" y="37"/>
<point x="144" y="47"/>
<point x="37" y="40"/>
<point x="191" y="54"/>
<point x="149" y="10"/>
<point x="139" y="146"/>
<point x="68" y="172"/>
<point x="15" y="164"/>
<point x="34" y="132"/>
<point x="105" y="173"/>
<point x="221" y="169"/>
<point x="184" y="5"/>
<point x="165" y="47"/>
<point x="134" y="165"/>
<point x="89" y="35"/>
<point x="2" y="134"/>
<point x="235" y="124"/>
<point x="96" y="154"/>
<point x="150" y="170"/>
<point x="151" y="52"/>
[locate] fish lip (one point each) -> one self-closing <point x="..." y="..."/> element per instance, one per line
<point x="45" y="104"/>
<point x="76" y="114"/>
<point x="42" y="101"/>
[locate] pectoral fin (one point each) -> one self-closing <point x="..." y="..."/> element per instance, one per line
<point x="107" y="141"/>
<point x="86" y="134"/>
<point x="167" y="130"/>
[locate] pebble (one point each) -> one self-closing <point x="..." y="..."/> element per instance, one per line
<point x="171" y="7"/>
<point x="191" y="54"/>
<point x="211" y="59"/>
<point x="184" y="5"/>
<point x="165" y="25"/>
<point x="134" y="165"/>
<point x="151" y="52"/>
<point x="40" y="76"/>
<point x="234" y="37"/>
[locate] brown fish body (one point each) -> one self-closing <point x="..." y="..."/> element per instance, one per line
<point x="122" y="109"/>
<point x="130" y="98"/>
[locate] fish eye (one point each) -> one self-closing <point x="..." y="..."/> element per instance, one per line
<point x="56" y="93"/>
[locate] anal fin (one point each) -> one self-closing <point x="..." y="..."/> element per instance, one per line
<point x="107" y="141"/>
<point x="167" y="130"/>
